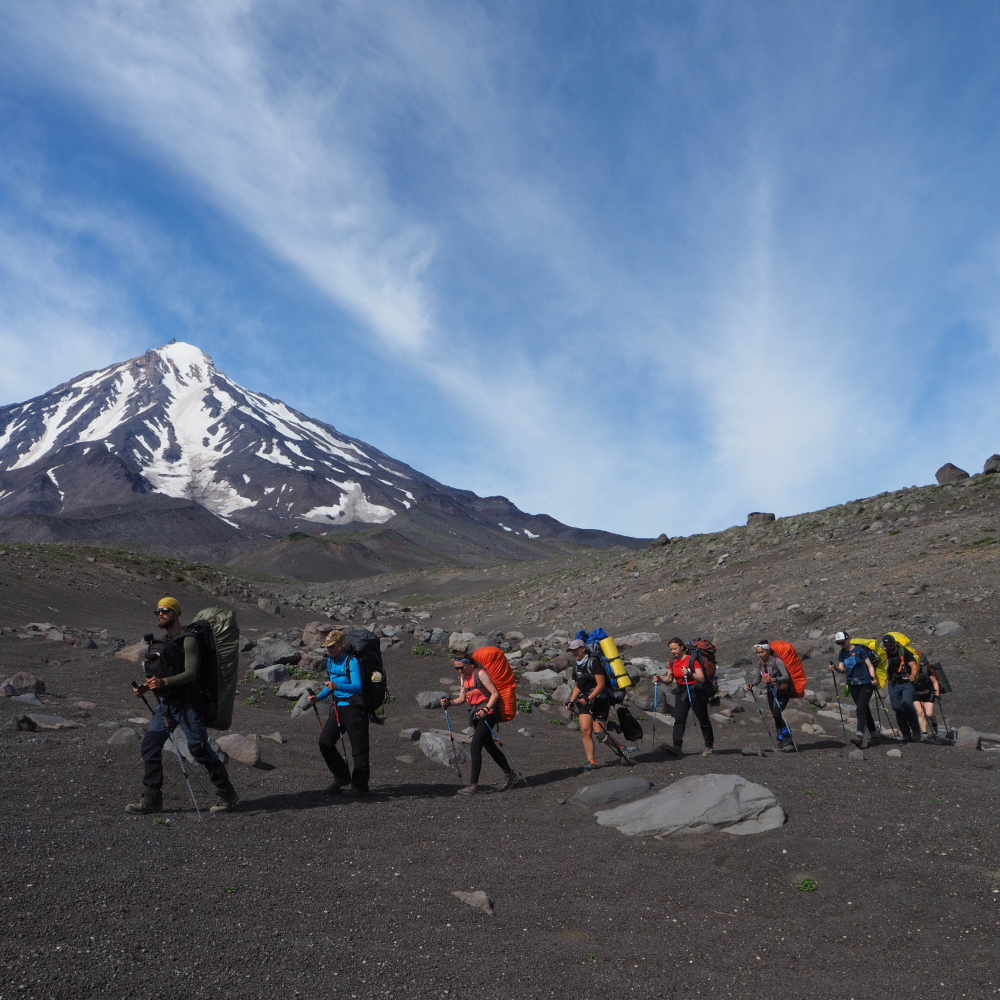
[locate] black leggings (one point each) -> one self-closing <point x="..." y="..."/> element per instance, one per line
<point x="862" y="694"/>
<point x="483" y="738"/>
<point x="698" y="702"/>
<point x="776" y="705"/>
<point x="353" y="722"/>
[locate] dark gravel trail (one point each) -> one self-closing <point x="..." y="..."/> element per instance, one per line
<point x="302" y="894"/>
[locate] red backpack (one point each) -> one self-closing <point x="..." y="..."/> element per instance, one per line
<point x="702" y="653"/>
<point x="786" y="651"/>
<point x="492" y="660"/>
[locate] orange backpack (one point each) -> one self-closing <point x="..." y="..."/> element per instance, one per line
<point x="786" y="651"/>
<point x="492" y="660"/>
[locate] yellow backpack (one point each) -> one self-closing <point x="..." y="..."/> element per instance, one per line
<point x="880" y="657"/>
<point x="882" y="666"/>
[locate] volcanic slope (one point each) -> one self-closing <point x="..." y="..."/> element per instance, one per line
<point x="880" y="884"/>
<point x="166" y="451"/>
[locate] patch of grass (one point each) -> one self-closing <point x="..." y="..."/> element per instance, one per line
<point x="421" y="650"/>
<point x="251" y="701"/>
<point x="809" y="791"/>
<point x="301" y="673"/>
<point x="161" y="822"/>
<point x="807" y="885"/>
<point x="228" y="888"/>
<point x="525" y="706"/>
<point x="557" y="722"/>
<point x="863" y="593"/>
<point x="985" y="540"/>
<point x="895" y="531"/>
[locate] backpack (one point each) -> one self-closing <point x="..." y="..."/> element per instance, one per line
<point x="618" y="678"/>
<point x="702" y="652"/>
<point x="218" y="635"/>
<point x="880" y="658"/>
<point x="374" y="685"/>
<point x="492" y="660"/>
<point x="942" y="678"/>
<point x="786" y="652"/>
<point x="631" y="729"/>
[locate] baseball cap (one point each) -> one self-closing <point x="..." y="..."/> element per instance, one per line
<point x="841" y="637"/>
<point x="578" y="644"/>
<point x="333" y="637"/>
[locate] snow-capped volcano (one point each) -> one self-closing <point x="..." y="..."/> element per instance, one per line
<point x="117" y="443"/>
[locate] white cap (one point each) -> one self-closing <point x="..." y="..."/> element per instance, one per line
<point x="841" y="637"/>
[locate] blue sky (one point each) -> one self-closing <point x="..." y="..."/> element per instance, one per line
<point x="644" y="267"/>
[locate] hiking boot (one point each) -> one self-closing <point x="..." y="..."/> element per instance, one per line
<point x="928" y="738"/>
<point x="708" y="751"/>
<point x="353" y="792"/>
<point x="145" y="805"/>
<point x="225" y="805"/>
<point x="590" y="766"/>
<point x="870" y="740"/>
<point x="468" y="790"/>
<point x="859" y="740"/>
<point x="508" y="782"/>
<point x="673" y="751"/>
<point x="335" y="786"/>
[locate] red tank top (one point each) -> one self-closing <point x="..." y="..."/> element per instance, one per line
<point x="678" y="667"/>
<point x="474" y="694"/>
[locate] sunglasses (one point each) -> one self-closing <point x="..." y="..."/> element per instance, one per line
<point x="162" y="611"/>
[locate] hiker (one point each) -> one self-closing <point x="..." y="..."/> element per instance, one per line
<point x="589" y="698"/>
<point x="348" y="715"/>
<point x="855" y="662"/>
<point x="481" y="695"/>
<point x="925" y="689"/>
<point x="691" y="695"/>
<point x="903" y="671"/>
<point x="179" y="704"/>
<point x="774" y="673"/>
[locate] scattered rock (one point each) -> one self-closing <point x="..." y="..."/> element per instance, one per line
<point x="410" y="734"/>
<point x="573" y="726"/>
<point x="699" y="804"/>
<point x="610" y="791"/>
<point x="547" y="680"/>
<point x="856" y="755"/>
<point x="134" y="654"/>
<point x="458" y="642"/>
<point x="949" y="473"/>
<point x="636" y="639"/>
<point x="406" y="759"/>
<point x="431" y="699"/>
<point x="34" y="722"/>
<point x="314" y="633"/>
<point x="237" y="746"/>
<point x="992" y="465"/>
<point x="561" y="694"/>
<point x="560" y="802"/>
<point x="109" y="725"/>
<point x="182" y="745"/>
<point x="443" y="750"/>
<point x="525" y="732"/>
<point x="28" y="699"/>
<point x="124" y="737"/>
<point x="296" y="689"/>
<point x="948" y="628"/>
<point x="246" y="644"/>
<point x="268" y="606"/>
<point x="752" y="752"/>
<point x="478" y="900"/>
<point x="272" y="651"/>
<point x="273" y="675"/>
<point x="87" y="706"/>
<point x="273" y="737"/>
<point x="894" y="752"/>
<point x="973" y="742"/>
<point x="24" y="683"/>
<point x="757" y="517"/>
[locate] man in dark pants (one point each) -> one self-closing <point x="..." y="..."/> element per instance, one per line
<point x="691" y="695"/>
<point x="348" y="715"/>
<point x="173" y="683"/>
<point x="903" y="671"/>
<point x="775" y="675"/>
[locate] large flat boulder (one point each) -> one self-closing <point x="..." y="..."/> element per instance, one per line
<point x="431" y="699"/>
<point x="34" y="722"/>
<point x="240" y="748"/>
<point x="274" y="674"/>
<point x="295" y="689"/>
<point x="134" y="654"/>
<point x="699" y="804"/>
<point x="23" y="683"/>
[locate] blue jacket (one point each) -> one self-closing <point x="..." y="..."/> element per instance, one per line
<point x="346" y="676"/>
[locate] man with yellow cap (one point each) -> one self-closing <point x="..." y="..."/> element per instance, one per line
<point x="347" y="715"/>
<point x="172" y="676"/>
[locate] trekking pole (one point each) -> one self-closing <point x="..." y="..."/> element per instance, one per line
<point x="315" y="709"/>
<point x="836" y="691"/>
<point x="336" y="715"/>
<point x="454" y="749"/>
<point x="784" y="721"/>
<point x="180" y="759"/>
<point x="655" y="708"/>
<point x="767" y="728"/>
<point x="944" y="719"/>
<point x="892" y="728"/>
<point x="704" y="745"/>
<point x="503" y="749"/>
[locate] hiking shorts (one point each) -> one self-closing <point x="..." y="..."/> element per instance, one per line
<point x="599" y="709"/>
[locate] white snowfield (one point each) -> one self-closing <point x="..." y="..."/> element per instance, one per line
<point x="185" y="435"/>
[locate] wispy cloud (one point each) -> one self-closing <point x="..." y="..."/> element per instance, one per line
<point x="675" y="245"/>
